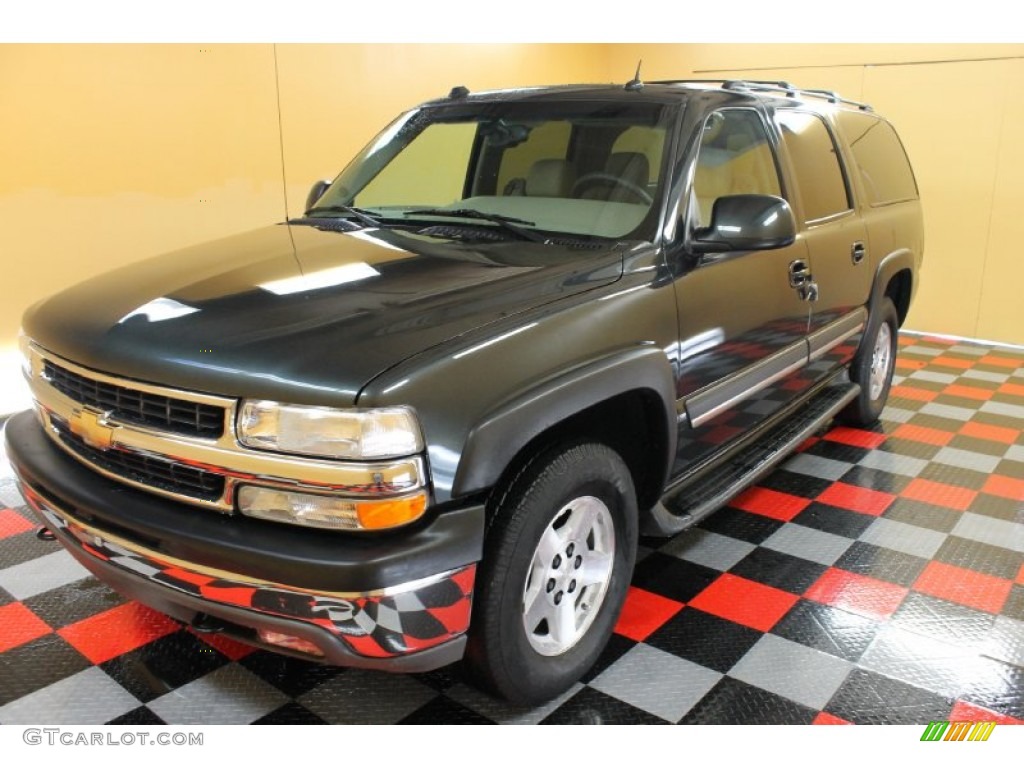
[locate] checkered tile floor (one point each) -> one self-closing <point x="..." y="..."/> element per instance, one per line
<point x="877" y="577"/>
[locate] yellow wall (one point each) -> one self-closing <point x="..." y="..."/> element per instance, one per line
<point x="111" y="153"/>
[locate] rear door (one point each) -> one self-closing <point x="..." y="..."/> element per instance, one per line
<point x="835" y="237"/>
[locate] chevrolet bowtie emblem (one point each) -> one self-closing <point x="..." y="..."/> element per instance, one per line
<point x="92" y="427"/>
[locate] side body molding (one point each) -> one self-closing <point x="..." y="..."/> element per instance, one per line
<point x="498" y="437"/>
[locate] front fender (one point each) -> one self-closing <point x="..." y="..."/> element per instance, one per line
<point x="505" y="431"/>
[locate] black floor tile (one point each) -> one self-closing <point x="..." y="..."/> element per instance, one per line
<point x="163" y="665"/>
<point x="910" y="448"/>
<point x="824" y="628"/>
<point x="943" y="620"/>
<point x="867" y="698"/>
<point x="998" y="507"/>
<point x="138" y="716"/>
<point x="441" y="679"/>
<point x="74" y="602"/>
<point x="841" y="522"/>
<point x="443" y="711"/>
<point x="978" y="445"/>
<point x="956" y="476"/>
<point x="779" y="570"/>
<point x="1010" y="468"/>
<point x="591" y="707"/>
<point x="291" y="713"/>
<point x="832" y="449"/>
<point x="18" y="549"/>
<point x="705" y="639"/>
<point x="923" y="515"/>
<point x="984" y="558"/>
<point x="37" y="664"/>
<point x="672" y="578"/>
<point x="6" y="598"/>
<point x="881" y="563"/>
<point x="738" y="524"/>
<point x="795" y="483"/>
<point x="876" y="479"/>
<point x="292" y="676"/>
<point x="733" y="702"/>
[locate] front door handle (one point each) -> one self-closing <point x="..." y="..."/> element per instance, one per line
<point x="857" y="252"/>
<point x="799" y="273"/>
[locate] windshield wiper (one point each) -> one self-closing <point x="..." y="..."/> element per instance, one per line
<point x="359" y="214"/>
<point x="508" y="223"/>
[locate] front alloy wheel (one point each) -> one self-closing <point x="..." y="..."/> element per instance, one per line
<point x="558" y="558"/>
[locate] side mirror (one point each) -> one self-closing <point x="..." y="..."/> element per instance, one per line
<point x="747" y="223"/>
<point x="316" y="192"/>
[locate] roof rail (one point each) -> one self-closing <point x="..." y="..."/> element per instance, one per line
<point x="775" y="86"/>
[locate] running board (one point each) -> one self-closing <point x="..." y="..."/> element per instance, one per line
<point x="683" y="507"/>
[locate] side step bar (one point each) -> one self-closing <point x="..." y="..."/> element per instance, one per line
<point x="683" y="507"/>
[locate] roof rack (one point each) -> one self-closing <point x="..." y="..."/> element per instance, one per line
<point x="775" y="86"/>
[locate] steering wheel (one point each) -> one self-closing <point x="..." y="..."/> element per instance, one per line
<point x="592" y="179"/>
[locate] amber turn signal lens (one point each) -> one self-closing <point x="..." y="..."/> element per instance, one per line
<point x="389" y="513"/>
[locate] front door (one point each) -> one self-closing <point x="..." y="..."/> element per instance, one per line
<point x="742" y="325"/>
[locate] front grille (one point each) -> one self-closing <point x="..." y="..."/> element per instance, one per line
<point x="134" y="406"/>
<point x="159" y="473"/>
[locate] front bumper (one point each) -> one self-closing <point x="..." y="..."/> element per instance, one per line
<point x="399" y="602"/>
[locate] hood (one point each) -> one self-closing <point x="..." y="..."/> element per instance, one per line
<point x="298" y="314"/>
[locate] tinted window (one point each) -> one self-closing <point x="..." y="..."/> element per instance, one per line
<point x="735" y="158"/>
<point x="882" y="163"/>
<point x="815" y="162"/>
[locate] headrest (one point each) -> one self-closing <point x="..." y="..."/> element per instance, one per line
<point x="550" y="178"/>
<point x="633" y="167"/>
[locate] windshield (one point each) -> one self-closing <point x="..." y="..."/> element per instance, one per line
<point x="572" y="168"/>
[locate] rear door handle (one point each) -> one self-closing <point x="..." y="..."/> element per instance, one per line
<point x="799" y="273"/>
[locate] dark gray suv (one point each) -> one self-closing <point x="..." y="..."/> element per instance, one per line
<point x="428" y="419"/>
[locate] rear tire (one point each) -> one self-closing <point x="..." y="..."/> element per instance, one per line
<point x="873" y="367"/>
<point x="558" y="558"/>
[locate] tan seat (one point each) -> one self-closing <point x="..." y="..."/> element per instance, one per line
<point x="550" y="178"/>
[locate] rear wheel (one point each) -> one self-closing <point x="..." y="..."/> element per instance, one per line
<point x="557" y="561"/>
<point x="873" y="367"/>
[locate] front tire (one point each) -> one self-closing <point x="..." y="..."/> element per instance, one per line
<point x="558" y="558"/>
<point x="873" y="367"/>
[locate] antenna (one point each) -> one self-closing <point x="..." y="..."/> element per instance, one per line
<point x="636" y="84"/>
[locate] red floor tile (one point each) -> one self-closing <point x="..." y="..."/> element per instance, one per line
<point x="1012" y="389"/>
<point x="856" y="499"/>
<point x="11" y="523"/>
<point x="745" y="602"/>
<point x="1002" y="362"/>
<point x="990" y="432"/>
<point x="1007" y="487"/>
<point x="773" y="504"/>
<point x="644" y="612"/>
<point x="971" y="393"/>
<point x="809" y="442"/>
<point x="953" y="362"/>
<point x="233" y="649"/>
<point x="824" y="718"/>
<point x="923" y="434"/>
<point x="931" y="492"/>
<point x="119" y="630"/>
<point x="913" y="393"/>
<point x="966" y="712"/>
<point x="856" y="437"/>
<point x="959" y="585"/>
<point x="1020" y="575"/>
<point x="18" y="625"/>
<point x="858" y="594"/>
<point x="910" y="365"/>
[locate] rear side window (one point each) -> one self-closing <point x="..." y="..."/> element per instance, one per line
<point x="881" y="161"/>
<point x="819" y="174"/>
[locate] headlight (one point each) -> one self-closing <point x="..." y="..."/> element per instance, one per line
<point x="353" y="433"/>
<point x="330" y="511"/>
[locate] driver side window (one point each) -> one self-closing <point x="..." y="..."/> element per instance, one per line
<point x="734" y="158"/>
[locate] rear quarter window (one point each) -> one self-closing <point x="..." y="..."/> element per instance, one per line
<point x="882" y="162"/>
